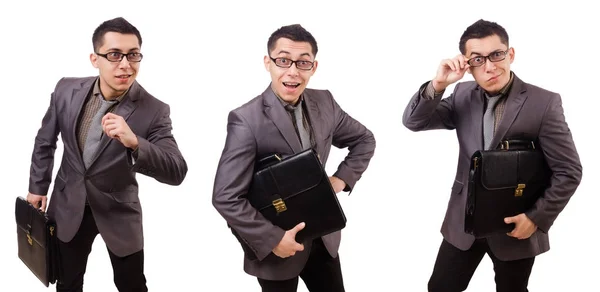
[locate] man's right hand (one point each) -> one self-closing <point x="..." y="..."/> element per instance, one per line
<point x="450" y="71"/>
<point x="288" y="246"/>
<point x="36" y="200"/>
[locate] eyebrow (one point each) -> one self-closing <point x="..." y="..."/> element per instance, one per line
<point x="286" y="52"/>
<point x="494" y="51"/>
<point x="121" y="51"/>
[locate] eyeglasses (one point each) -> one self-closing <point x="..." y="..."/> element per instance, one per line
<point x="118" y="57"/>
<point x="496" y="56"/>
<point x="287" y="63"/>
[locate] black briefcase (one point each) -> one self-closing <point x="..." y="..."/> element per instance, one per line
<point x="504" y="182"/>
<point x="37" y="243"/>
<point x="295" y="189"/>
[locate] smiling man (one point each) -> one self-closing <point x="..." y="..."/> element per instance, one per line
<point x="287" y="118"/>
<point x="111" y="129"/>
<point x="497" y="105"/>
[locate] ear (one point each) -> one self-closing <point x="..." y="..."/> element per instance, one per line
<point x="511" y="54"/>
<point x="267" y="61"/>
<point x="314" y="68"/>
<point x="94" y="60"/>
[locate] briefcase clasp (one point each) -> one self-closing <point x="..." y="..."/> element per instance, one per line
<point x="519" y="190"/>
<point x="51" y="230"/>
<point x="29" y="239"/>
<point x="279" y="205"/>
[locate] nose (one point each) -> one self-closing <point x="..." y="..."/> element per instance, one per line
<point x="124" y="63"/>
<point x="489" y="65"/>
<point x="293" y="70"/>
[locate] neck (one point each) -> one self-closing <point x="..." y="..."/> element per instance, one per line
<point x="293" y="102"/>
<point x="108" y="93"/>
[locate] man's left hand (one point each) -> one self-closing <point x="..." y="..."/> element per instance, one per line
<point x="524" y="227"/>
<point x="337" y="184"/>
<point x="115" y="127"/>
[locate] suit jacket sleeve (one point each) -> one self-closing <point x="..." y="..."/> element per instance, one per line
<point x="42" y="159"/>
<point x="429" y="114"/>
<point x="561" y="155"/>
<point x="158" y="155"/>
<point x="360" y="141"/>
<point x="232" y="181"/>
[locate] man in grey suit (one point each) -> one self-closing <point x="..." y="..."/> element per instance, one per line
<point x="111" y="129"/>
<point x="288" y="118"/>
<point x="496" y="106"/>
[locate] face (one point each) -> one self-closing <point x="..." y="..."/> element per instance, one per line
<point x="491" y="76"/>
<point x="289" y="83"/>
<point x="116" y="77"/>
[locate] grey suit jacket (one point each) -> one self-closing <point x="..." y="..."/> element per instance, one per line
<point x="529" y="111"/>
<point x="110" y="182"/>
<point x="262" y="127"/>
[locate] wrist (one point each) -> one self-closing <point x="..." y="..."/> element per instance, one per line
<point x="438" y="86"/>
<point x="134" y="143"/>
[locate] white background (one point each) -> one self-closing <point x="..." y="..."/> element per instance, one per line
<point x="208" y="59"/>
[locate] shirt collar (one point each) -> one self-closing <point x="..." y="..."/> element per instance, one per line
<point x="284" y="103"/>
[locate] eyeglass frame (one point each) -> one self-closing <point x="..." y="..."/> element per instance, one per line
<point x="312" y="63"/>
<point x="122" y="56"/>
<point x="486" y="58"/>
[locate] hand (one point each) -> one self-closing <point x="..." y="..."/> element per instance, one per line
<point x="450" y="71"/>
<point x="36" y="200"/>
<point x="337" y="184"/>
<point x="524" y="227"/>
<point x="115" y="127"/>
<point x="288" y="246"/>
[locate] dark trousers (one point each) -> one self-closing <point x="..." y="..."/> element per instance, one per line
<point x="128" y="272"/>
<point x="322" y="273"/>
<point x="454" y="268"/>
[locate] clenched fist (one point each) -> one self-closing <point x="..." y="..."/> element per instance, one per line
<point x="115" y="127"/>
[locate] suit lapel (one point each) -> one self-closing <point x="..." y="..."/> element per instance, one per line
<point x="281" y="119"/>
<point x="514" y="103"/>
<point x="314" y="117"/>
<point x="125" y="109"/>
<point x="477" y="115"/>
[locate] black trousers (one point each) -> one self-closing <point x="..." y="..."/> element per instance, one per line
<point x="322" y="273"/>
<point x="454" y="268"/>
<point x="128" y="272"/>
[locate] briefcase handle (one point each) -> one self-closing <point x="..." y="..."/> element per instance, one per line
<point x="30" y="214"/>
<point x="516" y="144"/>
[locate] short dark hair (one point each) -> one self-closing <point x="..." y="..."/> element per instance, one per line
<point x="119" y="25"/>
<point x="481" y="29"/>
<point x="294" y="32"/>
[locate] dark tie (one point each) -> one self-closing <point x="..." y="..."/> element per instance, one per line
<point x="298" y="120"/>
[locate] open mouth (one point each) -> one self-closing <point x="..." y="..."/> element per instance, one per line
<point x="291" y="85"/>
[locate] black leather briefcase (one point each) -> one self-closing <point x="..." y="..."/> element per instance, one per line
<point x="294" y="189"/>
<point x="37" y="243"/>
<point x="504" y="182"/>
